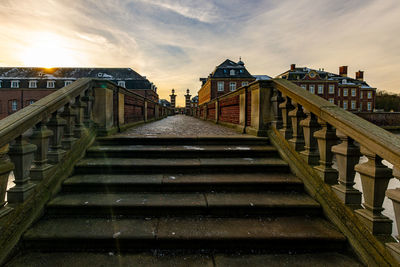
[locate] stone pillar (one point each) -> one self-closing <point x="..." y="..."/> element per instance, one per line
<point x="261" y="110"/>
<point x="88" y="100"/>
<point x="242" y="110"/>
<point x="216" y="111"/>
<point x="21" y="154"/>
<point x="276" y="100"/>
<point x="286" y="106"/>
<point x="374" y="179"/>
<point x="173" y="98"/>
<point x="6" y="166"/>
<point x="121" y="108"/>
<point x="40" y="138"/>
<point x="394" y="195"/>
<point x="79" y="107"/>
<point x="326" y="138"/>
<point x="69" y="115"/>
<point x="56" y="125"/>
<point x="347" y="156"/>
<point x="103" y="110"/>
<point x="156" y="111"/>
<point x="145" y="111"/>
<point x="296" y="115"/>
<point x="310" y="126"/>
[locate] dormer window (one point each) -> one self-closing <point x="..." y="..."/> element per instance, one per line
<point x="344" y="81"/>
<point x="232" y="72"/>
<point x="32" y="84"/>
<point x="14" y="84"/>
<point x="121" y="83"/>
<point x="66" y="83"/>
<point x="51" y="84"/>
<point x="99" y="74"/>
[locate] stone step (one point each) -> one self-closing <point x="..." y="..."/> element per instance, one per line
<point x="187" y="140"/>
<point x="203" y="165"/>
<point x="177" y="182"/>
<point x="293" y="233"/>
<point x="181" y="151"/>
<point x="179" y="204"/>
<point x="168" y="258"/>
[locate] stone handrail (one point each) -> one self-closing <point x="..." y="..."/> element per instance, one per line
<point x="310" y="132"/>
<point x="41" y="143"/>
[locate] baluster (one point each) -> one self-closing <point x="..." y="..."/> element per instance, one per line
<point x="347" y="156"/>
<point x="69" y="115"/>
<point x="374" y="179"/>
<point x="285" y="107"/>
<point x="277" y="99"/>
<point x="87" y="115"/>
<point x="394" y="195"/>
<point x="296" y="115"/>
<point x="21" y="154"/>
<point x="6" y="167"/>
<point x="310" y="126"/>
<point x="79" y="106"/>
<point x="40" y="137"/>
<point x="56" y="124"/>
<point x="326" y="138"/>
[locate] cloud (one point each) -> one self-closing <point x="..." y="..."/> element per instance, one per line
<point x="174" y="42"/>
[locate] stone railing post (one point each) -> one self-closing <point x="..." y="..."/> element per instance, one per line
<point x="88" y="100"/>
<point x="103" y="110"/>
<point x="286" y="106"/>
<point x="276" y="100"/>
<point x="261" y="109"/>
<point x="156" y="111"/>
<point x="69" y="116"/>
<point x="310" y="126"/>
<point x="6" y="166"/>
<point x="347" y="156"/>
<point x="145" y="111"/>
<point x="243" y="110"/>
<point x="40" y="138"/>
<point x="79" y="107"/>
<point x="216" y="110"/>
<point x="21" y="154"/>
<point x="121" y="108"/>
<point x="326" y="138"/>
<point x="374" y="179"/>
<point x="205" y="112"/>
<point x="394" y="195"/>
<point x="56" y="124"/>
<point x="297" y="115"/>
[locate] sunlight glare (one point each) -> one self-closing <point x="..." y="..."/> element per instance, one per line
<point x="48" y="50"/>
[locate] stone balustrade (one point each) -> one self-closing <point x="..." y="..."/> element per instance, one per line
<point x="311" y="132"/>
<point x="41" y="143"/>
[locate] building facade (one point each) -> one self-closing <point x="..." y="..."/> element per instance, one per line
<point x="351" y="94"/>
<point x="20" y="87"/>
<point x="226" y="77"/>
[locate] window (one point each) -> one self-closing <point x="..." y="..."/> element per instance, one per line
<point x="14" y="105"/>
<point x="121" y="83"/>
<point x="320" y="88"/>
<point x="331" y="89"/>
<point x="353" y="92"/>
<point x="232" y="72"/>
<point x="32" y="84"/>
<point x="345" y="92"/>
<point x="66" y="83"/>
<point x="353" y="104"/>
<point x="1" y="83"/>
<point x="304" y="86"/>
<point x="369" y="94"/>
<point x="312" y="88"/>
<point x="332" y="100"/>
<point x="345" y="104"/>
<point x="245" y="83"/>
<point x="14" y="84"/>
<point x="30" y="102"/>
<point x="220" y="86"/>
<point x="232" y="86"/>
<point x="51" y="84"/>
<point x="369" y="106"/>
<point x="241" y="71"/>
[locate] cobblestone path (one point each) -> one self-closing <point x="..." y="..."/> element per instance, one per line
<point x="181" y="125"/>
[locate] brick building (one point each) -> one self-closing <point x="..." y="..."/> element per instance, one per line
<point x="226" y="77"/>
<point x="20" y="87"/>
<point x="348" y="93"/>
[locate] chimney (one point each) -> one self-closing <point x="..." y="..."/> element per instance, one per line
<point x="360" y="75"/>
<point x="292" y="67"/>
<point x="343" y="71"/>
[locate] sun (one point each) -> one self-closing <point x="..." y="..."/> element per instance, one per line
<point x="48" y="50"/>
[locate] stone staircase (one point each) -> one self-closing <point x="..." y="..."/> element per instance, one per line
<point x="167" y="201"/>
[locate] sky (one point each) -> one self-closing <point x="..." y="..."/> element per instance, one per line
<point x="175" y="42"/>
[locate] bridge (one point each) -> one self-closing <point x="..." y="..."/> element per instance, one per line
<point x="102" y="178"/>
